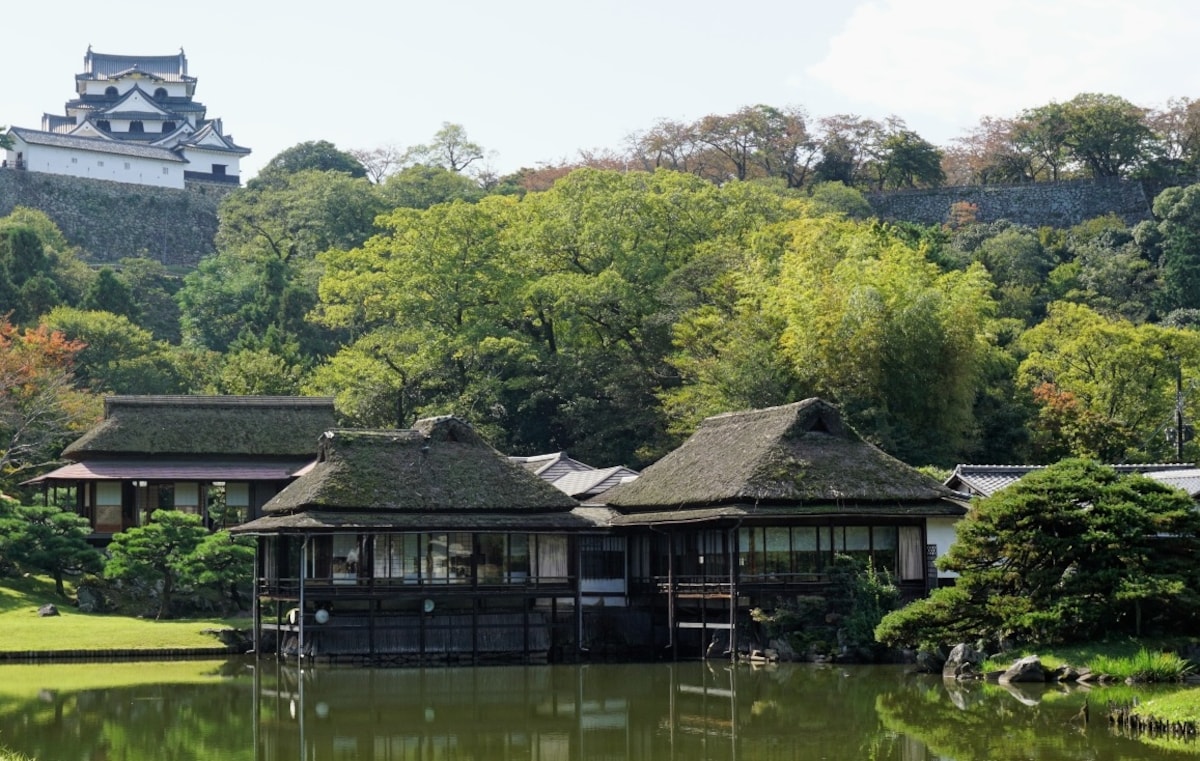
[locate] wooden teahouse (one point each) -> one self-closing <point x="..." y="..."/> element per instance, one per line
<point x="220" y="457"/>
<point x="754" y="506"/>
<point x="416" y="545"/>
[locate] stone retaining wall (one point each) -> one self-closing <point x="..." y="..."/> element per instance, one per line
<point x="113" y="220"/>
<point x="1054" y="204"/>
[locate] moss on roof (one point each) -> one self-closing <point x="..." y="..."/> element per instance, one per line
<point x="440" y="466"/>
<point x="795" y="454"/>
<point x="262" y="426"/>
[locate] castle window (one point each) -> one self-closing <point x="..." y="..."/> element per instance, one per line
<point x="104" y="125"/>
<point x="218" y="170"/>
<point x="99" y="163"/>
<point x="74" y="159"/>
<point x="136" y="126"/>
<point x="164" y="170"/>
<point x="160" y="93"/>
<point x="110" y="92"/>
<point x="126" y="164"/>
<point x="168" y="127"/>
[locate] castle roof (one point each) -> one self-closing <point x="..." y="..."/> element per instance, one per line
<point x="97" y="145"/>
<point x="209" y="138"/>
<point x="169" y="68"/>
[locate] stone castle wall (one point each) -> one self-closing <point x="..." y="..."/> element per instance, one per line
<point x="1054" y="204"/>
<point x="112" y="220"/>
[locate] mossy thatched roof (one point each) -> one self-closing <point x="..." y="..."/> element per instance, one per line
<point x="259" y="426"/>
<point x="799" y="454"/>
<point x="441" y="467"/>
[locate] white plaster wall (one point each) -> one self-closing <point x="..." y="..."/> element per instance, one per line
<point x="99" y="166"/>
<point x="97" y="87"/>
<point x="941" y="531"/>
<point x="202" y="161"/>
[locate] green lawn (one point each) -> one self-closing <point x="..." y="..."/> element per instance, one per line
<point x="22" y="629"/>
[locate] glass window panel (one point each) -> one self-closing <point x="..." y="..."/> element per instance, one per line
<point x="518" y="558"/>
<point x="750" y="549"/>
<point x="806" y="558"/>
<point x="884" y="554"/>
<point x="410" y="557"/>
<point x="493" y="556"/>
<point x="858" y="543"/>
<point x="779" y="550"/>
<point x="460" y="550"/>
<point x="437" y="567"/>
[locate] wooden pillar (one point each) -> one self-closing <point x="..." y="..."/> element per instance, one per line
<point x="672" y="634"/>
<point x="300" y="617"/>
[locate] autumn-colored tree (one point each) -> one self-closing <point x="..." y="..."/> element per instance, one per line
<point x="40" y="407"/>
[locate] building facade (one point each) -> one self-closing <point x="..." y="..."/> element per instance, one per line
<point x="133" y="119"/>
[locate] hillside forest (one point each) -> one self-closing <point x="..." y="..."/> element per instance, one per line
<point x="605" y="307"/>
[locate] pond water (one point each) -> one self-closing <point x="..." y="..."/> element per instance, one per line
<point x="264" y="711"/>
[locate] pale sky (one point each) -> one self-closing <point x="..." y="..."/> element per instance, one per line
<point x="536" y="81"/>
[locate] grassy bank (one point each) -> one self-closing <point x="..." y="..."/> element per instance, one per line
<point x="1142" y="660"/>
<point x="26" y="631"/>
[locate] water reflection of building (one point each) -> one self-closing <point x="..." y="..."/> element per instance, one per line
<point x="660" y="712"/>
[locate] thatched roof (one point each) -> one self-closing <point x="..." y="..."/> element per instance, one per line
<point x="259" y="426"/>
<point x="440" y="468"/>
<point x="800" y="454"/>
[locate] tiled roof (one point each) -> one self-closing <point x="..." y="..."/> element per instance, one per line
<point x="174" y="105"/>
<point x="172" y="68"/>
<point x="96" y="145"/>
<point x="551" y="466"/>
<point x="986" y="480"/>
<point x="196" y="141"/>
<point x="589" y="482"/>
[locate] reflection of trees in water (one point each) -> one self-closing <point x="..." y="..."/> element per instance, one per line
<point x="184" y="722"/>
<point x="977" y="720"/>
<point x="658" y="711"/>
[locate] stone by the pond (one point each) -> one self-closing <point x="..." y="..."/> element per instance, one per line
<point x="965" y="662"/>
<point x="47" y="610"/>
<point x="1027" y="669"/>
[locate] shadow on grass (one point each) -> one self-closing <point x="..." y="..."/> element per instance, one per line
<point x="28" y="592"/>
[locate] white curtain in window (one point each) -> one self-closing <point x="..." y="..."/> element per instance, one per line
<point x="912" y="555"/>
<point x="551" y="557"/>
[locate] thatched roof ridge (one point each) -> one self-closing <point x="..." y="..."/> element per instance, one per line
<point x="259" y="426"/>
<point x="440" y="466"/>
<point x="798" y="453"/>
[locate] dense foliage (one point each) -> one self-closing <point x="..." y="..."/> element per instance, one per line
<point x="605" y="311"/>
<point x="1068" y="553"/>
<point x="175" y="552"/>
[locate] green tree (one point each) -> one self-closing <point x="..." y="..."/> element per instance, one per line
<point x="1068" y="553"/>
<point x="450" y="149"/>
<point x="157" y="554"/>
<point x="314" y="155"/>
<point x="909" y="161"/>
<point x="1105" y="388"/>
<point x="108" y="293"/>
<point x="223" y="563"/>
<point x="1173" y="240"/>
<point x="50" y="540"/>
<point x="871" y="323"/>
<point x="25" y="283"/>
<point x="118" y="356"/>
<point x="1102" y="135"/>
<point x="154" y="290"/>
<point x="420" y="186"/>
